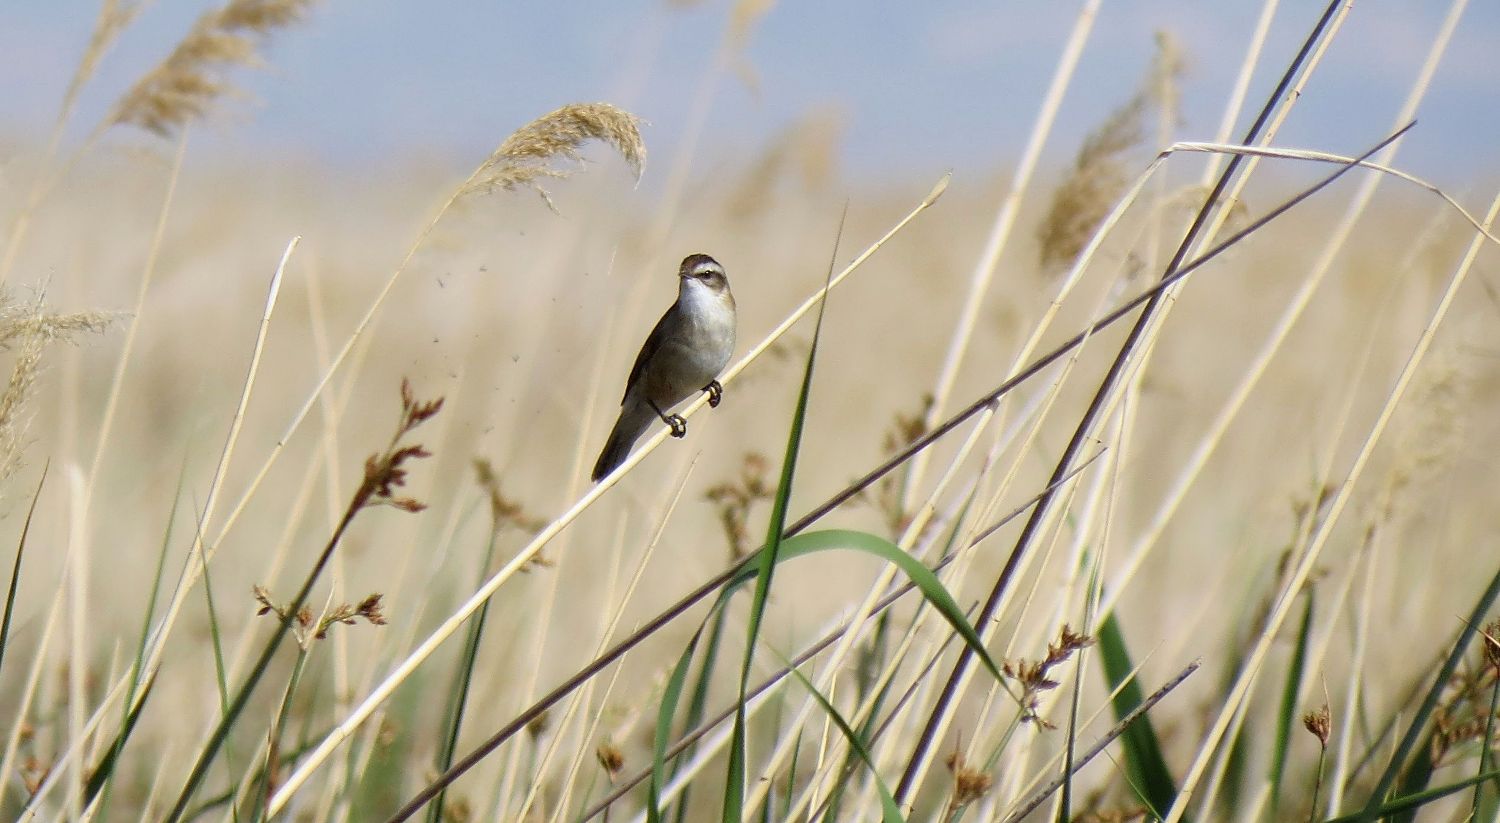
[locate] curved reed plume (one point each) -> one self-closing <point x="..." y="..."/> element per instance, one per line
<point x="526" y="156"/>
<point x="185" y="85"/>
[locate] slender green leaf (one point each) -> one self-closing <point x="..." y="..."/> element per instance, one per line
<point x="698" y="703"/>
<point x="734" y="780"/>
<point x="106" y="767"/>
<point x="463" y="678"/>
<point x="1416" y="777"/>
<point x="1288" y="713"/>
<point x="890" y="812"/>
<point x="791" y="781"/>
<point x="1430" y="701"/>
<point x="932" y="589"/>
<point x="927" y="583"/>
<point x="872" y="659"/>
<point x="1486" y="806"/>
<point x="664" y="713"/>
<point x="15" y="572"/>
<point x="1145" y="767"/>
<point x="217" y="643"/>
<point x="1413" y="801"/>
<point x="126" y="724"/>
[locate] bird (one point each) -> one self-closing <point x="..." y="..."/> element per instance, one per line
<point x="689" y="347"/>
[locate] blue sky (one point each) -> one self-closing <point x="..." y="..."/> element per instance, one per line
<point x="922" y="86"/>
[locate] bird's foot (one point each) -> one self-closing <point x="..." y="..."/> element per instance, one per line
<point x="679" y="426"/>
<point x="715" y="393"/>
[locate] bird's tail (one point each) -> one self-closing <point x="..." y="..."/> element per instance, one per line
<point x="629" y="428"/>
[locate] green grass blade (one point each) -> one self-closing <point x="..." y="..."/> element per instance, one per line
<point x="105" y="770"/>
<point x="932" y="589"/>
<point x="126" y="724"/>
<point x="463" y="678"/>
<point x="670" y="697"/>
<point x="1413" y="802"/>
<point x="1288" y="713"/>
<point x="217" y="642"/>
<point x="1430" y="701"/>
<point x="1416" y="777"/>
<point x="15" y="571"/>
<point x="1145" y="767"/>
<point x="261" y="799"/>
<point x="734" y="779"/>
<point x="890" y="812"/>
<point x="791" y="782"/>
<point x="698" y="703"/>
<point x="872" y="659"/>
<point x="1485" y="806"/>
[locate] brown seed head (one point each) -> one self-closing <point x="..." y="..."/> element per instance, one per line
<point x="1319" y="723"/>
<point x="611" y="758"/>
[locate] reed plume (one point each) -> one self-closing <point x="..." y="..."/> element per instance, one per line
<point x="185" y="85"/>
<point x="526" y="156"/>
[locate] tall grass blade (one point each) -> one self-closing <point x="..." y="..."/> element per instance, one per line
<point x="671" y="695"/>
<point x="1429" y="702"/>
<point x="1486" y="805"/>
<point x="220" y="677"/>
<point x="932" y="590"/>
<point x="463" y="678"/>
<point x="697" y="704"/>
<point x="875" y="657"/>
<point x="734" y="780"/>
<point x="15" y="571"/>
<point x="1416" y="777"/>
<point x="1412" y="802"/>
<point x="889" y="811"/>
<point x="1288" y="712"/>
<point x="105" y="770"/>
<point x="126" y="724"/>
<point x="1145" y="767"/>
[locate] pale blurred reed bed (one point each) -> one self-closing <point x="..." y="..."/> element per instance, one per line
<point x="522" y="313"/>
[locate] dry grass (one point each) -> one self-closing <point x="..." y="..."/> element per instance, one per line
<point x="848" y="437"/>
<point x="27" y="329"/>
<point x="1192" y="559"/>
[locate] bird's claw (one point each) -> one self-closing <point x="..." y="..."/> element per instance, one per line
<point x="679" y="426"/>
<point x="715" y="393"/>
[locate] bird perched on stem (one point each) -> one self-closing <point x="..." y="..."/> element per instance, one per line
<point x="686" y="351"/>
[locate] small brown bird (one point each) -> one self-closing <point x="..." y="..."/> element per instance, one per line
<point x="690" y="345"/>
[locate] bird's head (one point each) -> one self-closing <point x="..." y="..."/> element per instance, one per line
<point x="702" y="271"/>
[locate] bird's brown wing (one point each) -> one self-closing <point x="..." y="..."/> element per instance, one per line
<point x="653" y="342"/>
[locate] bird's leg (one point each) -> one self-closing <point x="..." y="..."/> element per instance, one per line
<point x="715" y="393"/>
<point x="674" y="421"/>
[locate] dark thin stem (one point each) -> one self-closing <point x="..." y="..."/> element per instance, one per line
<point x="1312" y="813"/>
<point x="949" y="692"/>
